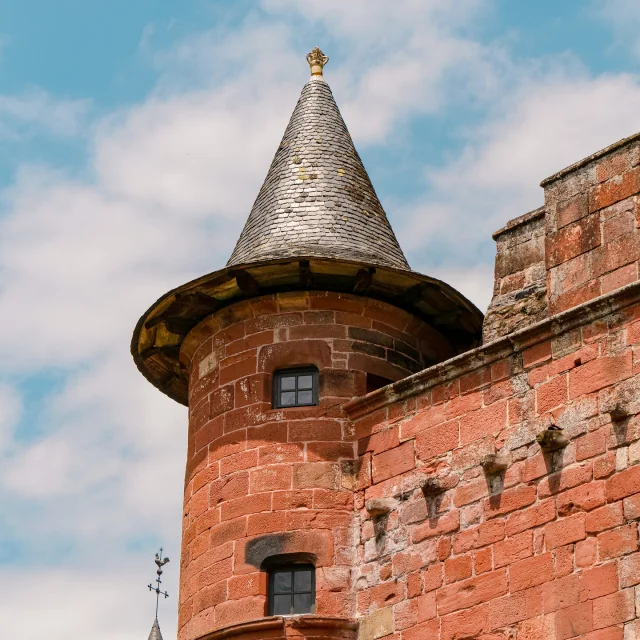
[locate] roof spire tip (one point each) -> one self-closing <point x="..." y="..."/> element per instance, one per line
<point x="317" y="60"/>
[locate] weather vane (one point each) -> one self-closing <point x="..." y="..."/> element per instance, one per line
<point x="160" y="562"/>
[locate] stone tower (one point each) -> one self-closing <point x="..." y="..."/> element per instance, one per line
<point x="360" y="463"/>
<point x="317" y="282"/>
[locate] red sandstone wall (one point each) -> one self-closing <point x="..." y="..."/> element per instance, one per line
<point x="261" y="481"/>
<point x="553" y="552"/>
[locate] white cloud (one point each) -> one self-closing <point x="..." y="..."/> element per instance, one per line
<point x="406" y="58"/>
<point x="474" y="282"/>
<point x="192" y="153"/>
<point x="548" y="124"/>
<point x="36" y="111"/>
<point x="542" y="125"/>
<point x="109" y="465"/>
<point x="366" y="22"/>
<point x="10" y="411"/>
<point x="107" y="601"/>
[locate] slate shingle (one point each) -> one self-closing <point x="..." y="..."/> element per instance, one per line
<point x="155" y="631"/>
<point x="317" y="199"/>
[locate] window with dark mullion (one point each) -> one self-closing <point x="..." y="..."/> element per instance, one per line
<point x="292" y="590"/>
<point x="295" y="388"/>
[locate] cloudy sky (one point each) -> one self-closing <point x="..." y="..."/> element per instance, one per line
<point x="133" y="139"/>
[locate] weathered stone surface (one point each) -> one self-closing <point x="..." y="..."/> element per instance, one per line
<point x="520" y="292"/>
<point x="550" y="440"/>
<point x="494" y="463"/>
<point x="377" y="507"/>
<point x="376" y="625"/>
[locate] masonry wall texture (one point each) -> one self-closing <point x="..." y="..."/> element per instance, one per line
<point x="546" y="550"/>
<point x="549" y="547"/>
<point x="494" y="495"/>
<point x="263" y="481"/>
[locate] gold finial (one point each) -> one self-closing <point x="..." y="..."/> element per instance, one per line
<point x="317" y="60"/>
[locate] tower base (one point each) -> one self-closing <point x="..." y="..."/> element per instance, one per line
<point x="280" y="628"/>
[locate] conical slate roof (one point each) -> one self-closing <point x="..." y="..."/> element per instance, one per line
<point x="155" y="631"/>
<point x="317" y="199"/>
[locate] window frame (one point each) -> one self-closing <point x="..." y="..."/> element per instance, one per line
<point x="292" y="568"/>
<point x="294" y="371"/>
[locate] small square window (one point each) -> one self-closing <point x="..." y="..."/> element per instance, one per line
<point x="295" y="388"/>
<point x="292" y="590"/>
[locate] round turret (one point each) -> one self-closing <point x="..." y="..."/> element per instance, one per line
<point x="317" y="306"/>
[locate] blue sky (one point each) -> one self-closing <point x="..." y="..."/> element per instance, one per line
<point x="134" y="137"/>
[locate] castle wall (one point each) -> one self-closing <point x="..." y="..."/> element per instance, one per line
<point x="263" y="481"/>
<point x="549" y="547"/>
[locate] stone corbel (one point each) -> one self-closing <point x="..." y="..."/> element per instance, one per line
<point x="378" y="507"/>
<point x="552" y="439"/>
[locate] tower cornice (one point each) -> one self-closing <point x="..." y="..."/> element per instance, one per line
<point x="160" y="332"/>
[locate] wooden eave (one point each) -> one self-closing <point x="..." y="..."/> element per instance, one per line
<point x="159" y="333"/>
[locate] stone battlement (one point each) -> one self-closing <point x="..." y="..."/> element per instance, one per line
<point x="582" y="244"/>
